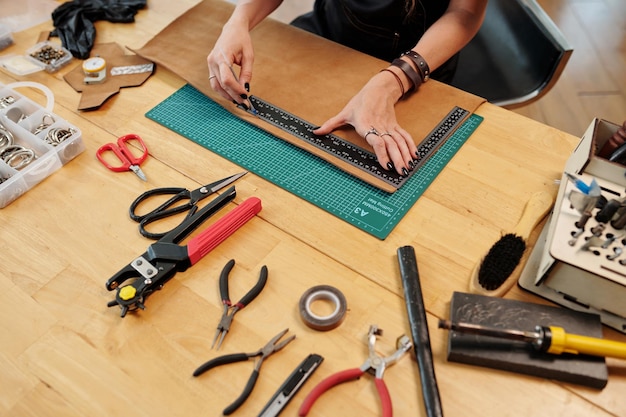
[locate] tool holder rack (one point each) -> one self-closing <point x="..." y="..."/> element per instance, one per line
<point x="584" y="268"/>
<point x="31" y="126"/>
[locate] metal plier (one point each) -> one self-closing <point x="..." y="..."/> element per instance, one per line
<point x="375" y="364"/>
<point x="164" y="258"/>
<point x="229" y="309"/>
<point x="271" y="347"/>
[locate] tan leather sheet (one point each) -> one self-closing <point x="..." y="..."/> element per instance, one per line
<point x="94" y="95"/>
<point x="299" y="72"/>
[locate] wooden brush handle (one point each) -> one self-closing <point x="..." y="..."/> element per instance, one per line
<point x="536" y="209"/>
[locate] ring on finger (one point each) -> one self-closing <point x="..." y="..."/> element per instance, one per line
<point x="386" y="134"/>
<point x="212" y="76"/>
<point x="372" y="131"/>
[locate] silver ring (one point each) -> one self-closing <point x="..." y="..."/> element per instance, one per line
<point x="386" y="134"/>
<point x="6" y="138"/>
<point x="44" y="124"/>
<point x="18" y="159"/>
<point x="371" y="131"/>
<point x="212" y="76"/>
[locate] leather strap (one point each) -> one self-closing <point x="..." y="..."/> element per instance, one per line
<point x="408" y="70"/>
<point x="420" y="63"/>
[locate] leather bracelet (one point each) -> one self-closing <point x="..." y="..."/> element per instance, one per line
<point x="397" y="79"/>
<point x="408" y="70"/>
<point x="420" y="63"/>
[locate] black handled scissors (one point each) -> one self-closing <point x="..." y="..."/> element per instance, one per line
<point x="171" y="206"/>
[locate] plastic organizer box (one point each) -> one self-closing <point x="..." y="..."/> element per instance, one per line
<point x="34" y="142"/>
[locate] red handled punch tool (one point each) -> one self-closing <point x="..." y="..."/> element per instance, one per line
<point x="270" y="348"/>
<point x="229" y="309"/>
<point x="375" y="364"/>
<point x="164" y="258"/>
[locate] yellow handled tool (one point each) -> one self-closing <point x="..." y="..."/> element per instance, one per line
<point x="551" y="339"/>
<point x="573" y="343"/>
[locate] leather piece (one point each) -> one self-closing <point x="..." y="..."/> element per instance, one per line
<point x="94" y="95"/>
<point x="300" y="72"/>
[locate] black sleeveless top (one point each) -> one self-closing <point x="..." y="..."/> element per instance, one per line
<point x="381" y="28"/>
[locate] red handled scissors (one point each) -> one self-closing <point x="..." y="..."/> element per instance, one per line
<point x="123" y="152"/>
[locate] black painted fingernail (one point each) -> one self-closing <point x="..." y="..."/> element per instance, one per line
<point x="315" y="127"/>
<point x="390" y="166"/>
<point x="234" y="102"/>
<point x="405" y="172"/>
<point x="245" y="106"/>
<point x="247" y="87"/>
<point x="243" y="96"/>
<point x="411" y="165"/>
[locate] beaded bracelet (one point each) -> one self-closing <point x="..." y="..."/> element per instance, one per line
<point x="408" y="70"/>
<point x="420" y="63"/>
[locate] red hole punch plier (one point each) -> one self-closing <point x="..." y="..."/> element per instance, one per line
<point x="164" y="258"/>
<point x="375" y="364"/>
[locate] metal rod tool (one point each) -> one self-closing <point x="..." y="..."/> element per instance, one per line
<point x="419" y="330"/>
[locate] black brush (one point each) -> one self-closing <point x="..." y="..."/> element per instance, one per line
<point x="496" y="273"/>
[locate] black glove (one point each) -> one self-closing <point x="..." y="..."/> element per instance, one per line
<point x="73" y="21"/>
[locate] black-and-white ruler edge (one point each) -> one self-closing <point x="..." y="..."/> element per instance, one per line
<point x="371" y="168"/>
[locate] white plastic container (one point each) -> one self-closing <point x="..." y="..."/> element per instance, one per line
<point x="33" y="128"/>
<point x="42" y="56"/>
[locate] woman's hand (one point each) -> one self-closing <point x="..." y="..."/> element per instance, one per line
<point x="233" y="47"/>
<point x="371" y="113"/>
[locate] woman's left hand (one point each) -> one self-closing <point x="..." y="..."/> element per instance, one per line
<point x="371" y="112"/>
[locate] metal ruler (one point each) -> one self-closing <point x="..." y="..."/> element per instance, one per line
<point x="352" y="154"/>
<point x="196" y="117"/>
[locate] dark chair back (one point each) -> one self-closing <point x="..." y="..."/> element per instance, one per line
<point x="516" y="57"/>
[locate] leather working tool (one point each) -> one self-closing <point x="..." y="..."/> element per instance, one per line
<point x="375" y="364"/>
<point x="171" y="206"/>
<point x="229" y="309"/>
<point x="416" y="312"/>
<point x="121" y="150"/>
<point x="272" y="346"/>
<point x="551" y="339"/>
<point x="349" y="156"/>
<point x="291" y="386"/>
<point x="164" y="258"/>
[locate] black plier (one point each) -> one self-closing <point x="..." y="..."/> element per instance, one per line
<point x="164" y="258"/>
<point x="229" y="308"/>
<point x="271" y="347"/>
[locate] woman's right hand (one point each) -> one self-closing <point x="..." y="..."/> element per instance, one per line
<point x="233" y="47"/>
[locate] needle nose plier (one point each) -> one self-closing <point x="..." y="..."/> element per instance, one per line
<point x="229" y="308"/>
<point x="272" y="346"/>
<point x="375" y="364"/>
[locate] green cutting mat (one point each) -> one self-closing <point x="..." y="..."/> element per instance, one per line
<point x="198" y="118"/>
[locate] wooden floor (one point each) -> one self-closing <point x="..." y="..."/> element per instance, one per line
<point x="593" y="83"/>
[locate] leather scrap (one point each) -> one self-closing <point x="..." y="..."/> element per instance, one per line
<point x="94" y="95"/>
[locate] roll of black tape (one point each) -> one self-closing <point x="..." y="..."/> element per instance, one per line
<point x="328" y="293"/>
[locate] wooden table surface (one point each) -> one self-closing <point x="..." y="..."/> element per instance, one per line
<point x="63" y="352"/>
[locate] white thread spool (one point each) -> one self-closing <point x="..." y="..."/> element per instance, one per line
<point x="95" y="70"/>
